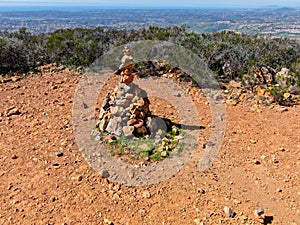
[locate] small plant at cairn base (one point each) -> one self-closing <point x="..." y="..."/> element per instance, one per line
<point x="127" y="126"/>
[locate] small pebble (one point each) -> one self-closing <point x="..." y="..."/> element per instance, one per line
<point x="104" y="174"/>
<point x="256" y="162"/>
<point x="116" y="196"/>
<point x="282" y="149"/>
<point x="260" y="211"/>
<point x="198" y="222"/>
<point x="229" y="212"/>
<point x="107" y="221"/>
<point x="237" y="202"/>
<point x="59" y="154"/>
<point x="263" y="156"/>
<point x="79" y="178"/>
<point x="55" y="164"/>
<point x="201" y="191"/>
<point x="14" y="157"/>
<point x="142" y="212"/>
<point x="52" y="199"/>
<point x="146" y="194"/>
<point x="164" y="154"/>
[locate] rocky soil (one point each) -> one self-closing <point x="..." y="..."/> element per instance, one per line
<point x="45" y="179"/>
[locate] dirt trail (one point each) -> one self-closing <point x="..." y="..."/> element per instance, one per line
<point x="45" y="179"/>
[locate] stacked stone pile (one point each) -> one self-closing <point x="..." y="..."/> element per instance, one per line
<point x="125" y="111"/>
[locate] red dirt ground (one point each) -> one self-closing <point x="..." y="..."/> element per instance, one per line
<point x="258" y="164"/>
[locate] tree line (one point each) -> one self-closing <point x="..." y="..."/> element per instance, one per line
<point x="229" y="54"/>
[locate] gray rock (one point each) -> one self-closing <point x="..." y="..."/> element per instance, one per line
<point x="122" y="102"/>
<point x="117" y="110"/>
<point x="128" y="130"/>
<point x="114" y="127"/>
<point x="124" y="87"/>
<point x="176" y="94"/>
<point x="294" y="89"/>
<point x="98" y="138"/>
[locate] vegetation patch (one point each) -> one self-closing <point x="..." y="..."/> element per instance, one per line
<point x="145" y="150"/>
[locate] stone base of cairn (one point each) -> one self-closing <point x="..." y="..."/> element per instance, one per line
<point x="125" y="112"/>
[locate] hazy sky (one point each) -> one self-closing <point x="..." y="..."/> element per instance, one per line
<point x="140" y="3"/>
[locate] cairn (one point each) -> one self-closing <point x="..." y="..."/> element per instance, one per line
<point x="125" y="111"/>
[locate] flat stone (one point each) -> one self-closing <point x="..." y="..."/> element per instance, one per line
<point x="122" y="102"/>
<point x="129" y="96"/>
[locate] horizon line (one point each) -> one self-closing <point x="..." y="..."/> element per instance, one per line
<point x="41" y="7"/>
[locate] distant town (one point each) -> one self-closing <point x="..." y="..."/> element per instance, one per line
<point x="278" y="22"/>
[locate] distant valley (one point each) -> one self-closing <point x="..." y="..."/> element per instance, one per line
<point x="278" y="22"/>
